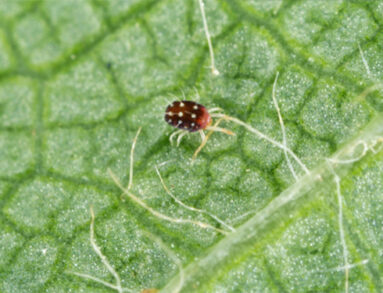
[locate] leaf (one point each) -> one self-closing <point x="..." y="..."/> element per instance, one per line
<point x="77" y="80"/>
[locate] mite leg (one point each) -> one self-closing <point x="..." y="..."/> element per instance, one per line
<point x="211" y="129"/>
<point x="180" y="136"/>
<point x="203" y="142"/>
<point x="219" y="129"/>
<point x="174" y="134"/>
<point x="203" y="137"/>
<point x="216" y="109"/>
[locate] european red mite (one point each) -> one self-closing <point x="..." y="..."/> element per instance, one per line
<point x="190" y="116"/>
<point x="187" y="115"/>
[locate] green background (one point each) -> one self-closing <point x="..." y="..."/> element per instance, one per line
<point x="78" y="78"/>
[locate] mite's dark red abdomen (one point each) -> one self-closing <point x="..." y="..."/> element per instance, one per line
<point x="187" y="115"/>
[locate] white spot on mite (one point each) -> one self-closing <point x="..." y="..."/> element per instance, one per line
<point x="179" y="122"/>
<point x="170" y="120"/>
<point x="195" y="107"/>
<point x="193" y="124"/>
<point x="182" y="104"/>
<point x="170" y="113"/>
<point x="180" y="114"/>
<point x="193" y="116"/>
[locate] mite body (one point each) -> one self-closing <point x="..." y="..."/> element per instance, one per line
<point x="187" y="115"/>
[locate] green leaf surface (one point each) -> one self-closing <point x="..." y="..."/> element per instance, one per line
<point x="79" y="77"/>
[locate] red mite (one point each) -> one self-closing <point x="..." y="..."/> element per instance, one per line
<point x="187" y="115"/>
